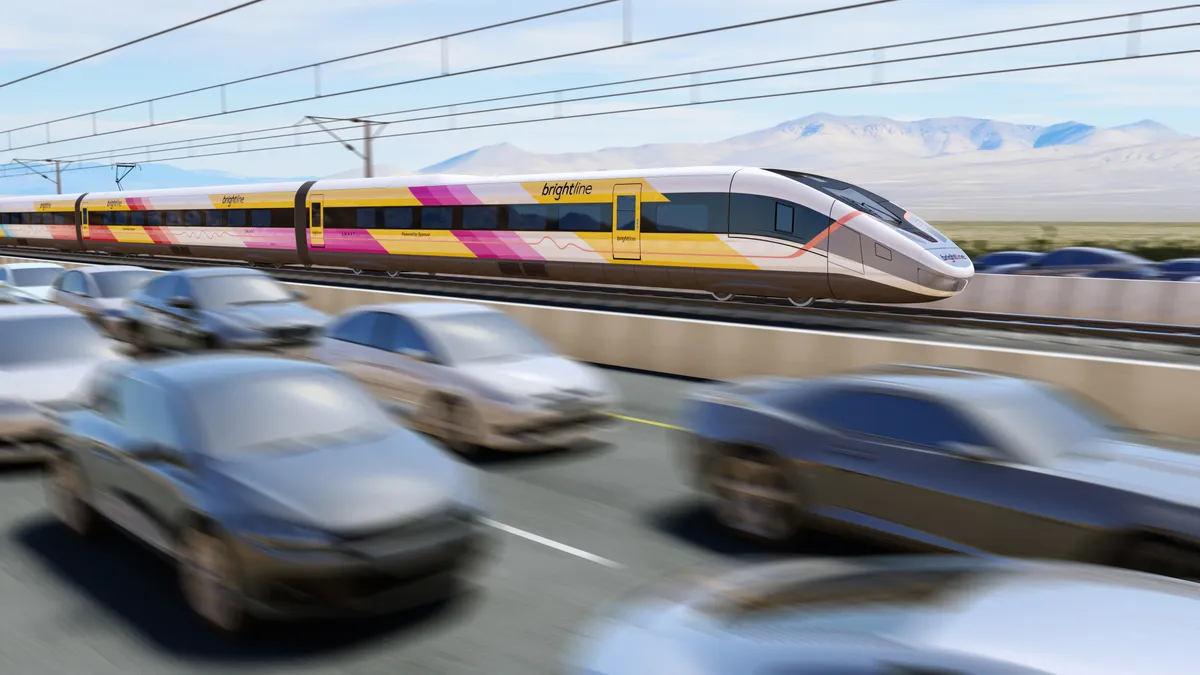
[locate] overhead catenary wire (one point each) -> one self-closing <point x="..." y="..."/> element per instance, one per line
<point x="442" y="75"/>
<point x="457" y="112"/>
<point x="733" y="99"/>
<point x="130" y="43"/>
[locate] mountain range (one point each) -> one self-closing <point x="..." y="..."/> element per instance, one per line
<point x="953" y="168"/>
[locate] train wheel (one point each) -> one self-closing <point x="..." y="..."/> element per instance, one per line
<point x="393" y="274"/>
<point x="722" y="298"/>
<point x="801" y="303"/>
<point x="356" y="271"/>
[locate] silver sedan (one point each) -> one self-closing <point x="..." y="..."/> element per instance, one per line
<point x="47" y="356"/>
<point x="101" y="292"/>
<point x="470" y="375"/>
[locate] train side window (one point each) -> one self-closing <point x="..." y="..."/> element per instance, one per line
<point x="154" y="218"/>
<point x="192" y="219"/>
<point x="481" y="217"/>
<point x="120" y="218"/>
<point x="137" y="217"/>
<point x="260" y="218"/>
<point x="214" y="218"/>
<point x="585" y="217"/>
<point x="784" y="218"/>
<point x="687" y="212"/>
<point x="533" y="217"/>
<point x="235" y="218"/>
<point x="366" y="218"/>
<point x="283" y="218"/>
<point x="437" y="218"/>
<point x="174" y="218"/>
<point x="398" y="217"/>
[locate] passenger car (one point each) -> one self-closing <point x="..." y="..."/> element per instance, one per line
<point x="946" y="459"/>
<point x="100" y="292"/>
<point x="725" y="230"/>
<point x="34" y="277"/>
<point x="1088" y="261"/>
<point x="279" y="487"/>
<point x="219" y="307"/>
<point x="47" y="356"/>
<point x="1180" y="269"/>
<point x="985" y="263"/>
<point x="893" y="615"/>
<point x="470" y="375"/>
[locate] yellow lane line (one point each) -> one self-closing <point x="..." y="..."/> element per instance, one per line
<point x="650" y="422"/>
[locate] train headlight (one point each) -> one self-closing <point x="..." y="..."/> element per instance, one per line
<point x="940" y="282"/>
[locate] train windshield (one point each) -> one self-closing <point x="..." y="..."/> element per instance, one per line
<point x="868" y="202"/>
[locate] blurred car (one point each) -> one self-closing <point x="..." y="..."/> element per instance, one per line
<point x="890" y="615"/>
<point x="219" y="308"/>
<point x="1079" y="261"/>
<point x="470" y="375"/>
<point x="280" y="488"/>
<point x="35" y="278"/>
<point x="945" y="459"/>
<point x="11" y="295"/>
<point x="47" y="355"/>
<point x="1180" y="269"/>
<point x="985" y="263"/>
<point x="100" y="292"/>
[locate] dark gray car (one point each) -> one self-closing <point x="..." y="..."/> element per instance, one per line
<point x="901" y="615"/>
<point x="947" y="460"/>
<point x="280" y="488"/>
<point x="219" y="308"/>
<point x="100" y="292"/>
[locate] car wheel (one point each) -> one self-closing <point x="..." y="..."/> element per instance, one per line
<point x="450" y="420"/>
<point x="1157" y="556"/>
<point x="753" y="496"/>
<point x="67" y="494"/>
<point x="136" y="334"/>
<point x="209" y="579"/>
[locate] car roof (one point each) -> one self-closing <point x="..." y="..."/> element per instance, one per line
<point x="14" y="312"/>
<point x="29" y="265"/>
<point x="217" y="271"/>
<point x="191" y="370"/>
<point x="945" y="382"/>
<point x="100" y="269"/>
<point x="425" y="310"/>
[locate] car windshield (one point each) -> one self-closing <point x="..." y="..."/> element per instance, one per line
<point x="118" y="284"/>
<point x="485" y="336"/>
<point x="290" y="411"/>
<point x="33" y="276"/>
<point x="38" y="340"/>
<point x="1047" y="422"/>
<point x="239" y="289"/>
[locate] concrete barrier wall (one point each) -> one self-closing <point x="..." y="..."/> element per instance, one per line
<point x="1151" y="396"/>
<point x="1167" y="302"/>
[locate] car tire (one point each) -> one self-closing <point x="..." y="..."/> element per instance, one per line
<point x="68" y="495"/>
<point x="752" y="495"/>
<point x="136" y="334"/>
<point x="1154" y="555"/>
<point x="210" y="581"/>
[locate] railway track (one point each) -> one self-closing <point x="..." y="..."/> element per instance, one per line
<point x="689" y="305"/>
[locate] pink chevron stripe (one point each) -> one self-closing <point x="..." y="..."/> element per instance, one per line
<point x="507" y="245"/>
<point x="463" y="195"/>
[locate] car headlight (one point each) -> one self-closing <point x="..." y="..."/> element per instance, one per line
<point x="283" y="536"/>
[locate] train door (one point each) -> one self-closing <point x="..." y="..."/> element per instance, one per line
<point x="83" y="225"/>
<point x="316" y="226"/>
<point x="627" y="222"/>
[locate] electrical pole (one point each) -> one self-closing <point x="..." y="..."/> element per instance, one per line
<point x="58" y="167"/>
<point x="371" y="129"/>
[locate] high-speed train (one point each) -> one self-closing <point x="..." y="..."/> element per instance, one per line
<point x="725" y="230"/>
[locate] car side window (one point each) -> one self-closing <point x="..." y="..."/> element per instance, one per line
<point x="358" y="329"/>
<point x="158" y="288"/>
<point x="905" y="419"/>
<point x="3" y="275"/>
<point x="148" y="415"/>
<point x="1059" y="259"/>
<point x="73" y="282"/>
<point x="104" y="398"/>
<point x="397" y="334"/>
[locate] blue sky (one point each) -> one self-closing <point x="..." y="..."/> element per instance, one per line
<point x="283" y="33"/>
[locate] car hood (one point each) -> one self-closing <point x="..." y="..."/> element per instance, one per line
<point x="1147" y="469"/>
<point x="42" y="292"/>
<point x="353" y="488"/>
<point x="48" y="383"/>
<point x="274" y="315"/>
<point x="536" y="376"/>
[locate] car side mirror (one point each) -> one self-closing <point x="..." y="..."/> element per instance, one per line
<point x="970" y="451"/>
<point x="182" y="302"/>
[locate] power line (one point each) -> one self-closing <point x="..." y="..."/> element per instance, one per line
<point x="359" y="90"/>
<point x="131" y="42"/>
<point x="139" y="150"/>
<point x="732" y="99"/>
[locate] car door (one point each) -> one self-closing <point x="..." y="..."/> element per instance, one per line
<point x="155" y="474"/>
<point x="70" y="290"/>
<point x="99" y="437"/>
<point x="404" y="367"/>
<point x="150" y="304"/>
<point x="182" y="325"/>
<point x="347" y="346"/>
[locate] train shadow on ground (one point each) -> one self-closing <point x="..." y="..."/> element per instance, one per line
<point x="692" y="523"/>
<point x="138" y="588"/>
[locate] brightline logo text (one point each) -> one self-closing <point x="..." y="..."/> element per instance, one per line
<point x="568" y="189"/>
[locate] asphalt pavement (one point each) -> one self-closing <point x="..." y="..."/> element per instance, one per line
<point x="573" y="531"/>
